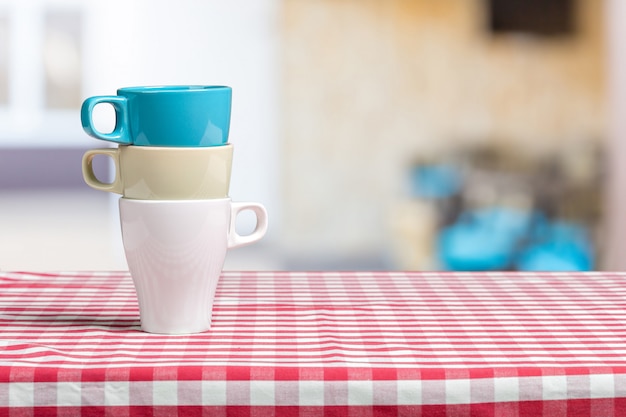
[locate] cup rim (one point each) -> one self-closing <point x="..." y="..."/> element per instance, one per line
<point x="173" y="89"/>
<point x="205" y="201"/>
<point x="226" y="147"/>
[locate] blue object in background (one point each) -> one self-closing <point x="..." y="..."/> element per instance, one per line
<point x="502" y="238"/>
<point x="435" y="181"/>
<point x="485" y="239"/>
<point x="560" y="246"/>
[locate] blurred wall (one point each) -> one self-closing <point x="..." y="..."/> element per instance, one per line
<point x="370" y="85"/>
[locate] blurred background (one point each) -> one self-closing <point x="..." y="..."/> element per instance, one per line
<point x="379" y="134"/>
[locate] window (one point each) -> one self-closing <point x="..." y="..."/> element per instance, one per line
<point x="62" y="59"/>
<point x="41" y="71"/>
<point x="4" y="60"/>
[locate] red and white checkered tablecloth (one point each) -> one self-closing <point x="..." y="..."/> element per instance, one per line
<point x="320" y="343"/>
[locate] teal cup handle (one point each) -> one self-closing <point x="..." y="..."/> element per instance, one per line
<point x="120" y="105"/>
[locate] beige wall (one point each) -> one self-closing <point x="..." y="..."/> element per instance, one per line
<point x="369" y="85"/>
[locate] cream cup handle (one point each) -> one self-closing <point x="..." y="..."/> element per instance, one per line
<point x="89" y="176"/>
<point x="236" y="240"/>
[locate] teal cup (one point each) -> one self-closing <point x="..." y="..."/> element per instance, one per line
<point x="175" y="116"/>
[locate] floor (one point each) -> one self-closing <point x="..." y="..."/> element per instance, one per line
<point x="66" y="230"/>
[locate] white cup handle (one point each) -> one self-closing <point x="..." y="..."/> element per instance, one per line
<point x="236" y="240"/>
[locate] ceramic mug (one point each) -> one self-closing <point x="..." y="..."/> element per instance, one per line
<point x="175" y="252"/>
<point x="158" y="173"/>
<point x="185" y="115"/>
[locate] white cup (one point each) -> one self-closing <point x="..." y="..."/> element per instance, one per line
<point x="175" y="251"/>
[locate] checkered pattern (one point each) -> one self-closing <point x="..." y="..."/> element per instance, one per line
<point x="336" y="344"/>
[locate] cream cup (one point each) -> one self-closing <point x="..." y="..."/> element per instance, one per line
<point x="175" y="251"/>
<point x="164" y="173"/>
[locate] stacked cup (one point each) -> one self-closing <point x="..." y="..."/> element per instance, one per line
<point x="172" y="168"/>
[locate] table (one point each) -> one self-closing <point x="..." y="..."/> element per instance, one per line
<point x="320" y="343"/>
